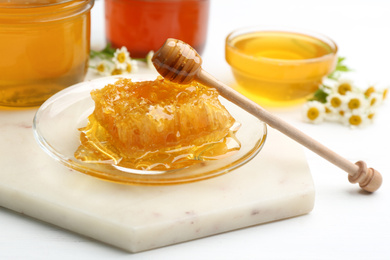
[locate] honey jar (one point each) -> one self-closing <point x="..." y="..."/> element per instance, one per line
<point x="44" y="48"/>
<point x="144" y="25"/>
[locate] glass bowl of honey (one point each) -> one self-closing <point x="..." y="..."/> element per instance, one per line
<point x="144" y="25"/>
<point x="279" y="66"/>
<point x="58" y="121"/>
<point x="44" y="48"/>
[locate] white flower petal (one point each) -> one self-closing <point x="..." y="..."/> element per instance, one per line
<point x="331" y="114"/>
<point x="149" y="57"/>
<point x="134" y="66"/>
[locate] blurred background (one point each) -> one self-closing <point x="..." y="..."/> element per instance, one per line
<point x="358" y="27"/>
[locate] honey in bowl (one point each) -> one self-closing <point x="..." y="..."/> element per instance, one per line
<point x="157" y="125"/>
<point x="278" y="67"/>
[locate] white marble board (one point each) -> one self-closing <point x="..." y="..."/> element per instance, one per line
<point x="276" y="184"/>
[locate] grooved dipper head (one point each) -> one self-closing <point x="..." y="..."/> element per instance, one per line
<point x="177" y="61"/>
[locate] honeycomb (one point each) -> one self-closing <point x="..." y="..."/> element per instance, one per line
<point x="151" y="124"/>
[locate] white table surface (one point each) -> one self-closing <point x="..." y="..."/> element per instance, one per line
<point x="345" y="223"/>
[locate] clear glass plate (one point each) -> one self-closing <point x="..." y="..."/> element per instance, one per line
<point x="57" y="121"/>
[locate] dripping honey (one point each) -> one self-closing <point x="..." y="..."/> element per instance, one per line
<point x="279" y="67"/>
<point x="44" y="48"/>
<point x="157" y="125"/>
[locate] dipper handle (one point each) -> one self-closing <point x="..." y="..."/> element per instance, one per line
<point x="179" y="62"/>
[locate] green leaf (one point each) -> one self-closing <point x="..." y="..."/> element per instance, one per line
<point x="320" y="95"/>
<point x="340" y="67"/>
<point x="106" y="53"/>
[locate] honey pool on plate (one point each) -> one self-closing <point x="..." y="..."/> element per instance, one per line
<point x="279" y="67"/>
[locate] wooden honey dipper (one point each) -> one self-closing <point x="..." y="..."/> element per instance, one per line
<point x="178" y="62"/>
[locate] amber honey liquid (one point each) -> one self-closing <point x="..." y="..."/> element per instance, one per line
<point x="279" y="67"/>
<point x="143" y="26"/>
<point x="43" y="55"/>
<point x="96" y="148"/>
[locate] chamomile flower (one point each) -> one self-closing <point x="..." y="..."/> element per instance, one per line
<point x="344" y="86"/>
<point x="343" y="101"/>
<point x="116" y="71"/>
<point x="375" y="99"/>
<point x="384" y="93"/>
<point x="331" y="114"/>
<point x="121" y="58"/>
<point x="355" y="100"/>
<point x="132" y="67"/>
<point x="104" y="67"/>
<point x="369" y="91"/>
<point x="356" y="118"/>
<point x="314" y="112"/>
<point x="370" y="115"/>
<point x="335" y="101"/>
<point x="148" y="59"/>
<point x="112" y="61"/>
<point x="334" y="105"/>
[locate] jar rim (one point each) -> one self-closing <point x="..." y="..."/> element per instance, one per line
<point x="53" y="10"/>
<point x="31" y="4"/>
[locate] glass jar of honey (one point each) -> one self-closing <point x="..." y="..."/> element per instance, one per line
<point x="44" y="48"/>
<point x="144" y="25"/>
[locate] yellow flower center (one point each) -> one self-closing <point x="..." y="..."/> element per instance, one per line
<point x="371" y="116"/>
<point x="373" y="101"/>
<point x="100" y="67"/>
<point x="354" y="103"/>
<point x="385" y="94"/>
<point x="116" y="72"/>
<point x="344" y="88"/>
<point x="121" y="57"/>
<point x="335" y="102"/>
<point x="313" y="113"/>
<point x="355" y="120"/>
<point x="327" y="110"/>
<point x="341" y="112"/>
<point x="128" y="67"/>
<point x="369" y="91"/>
